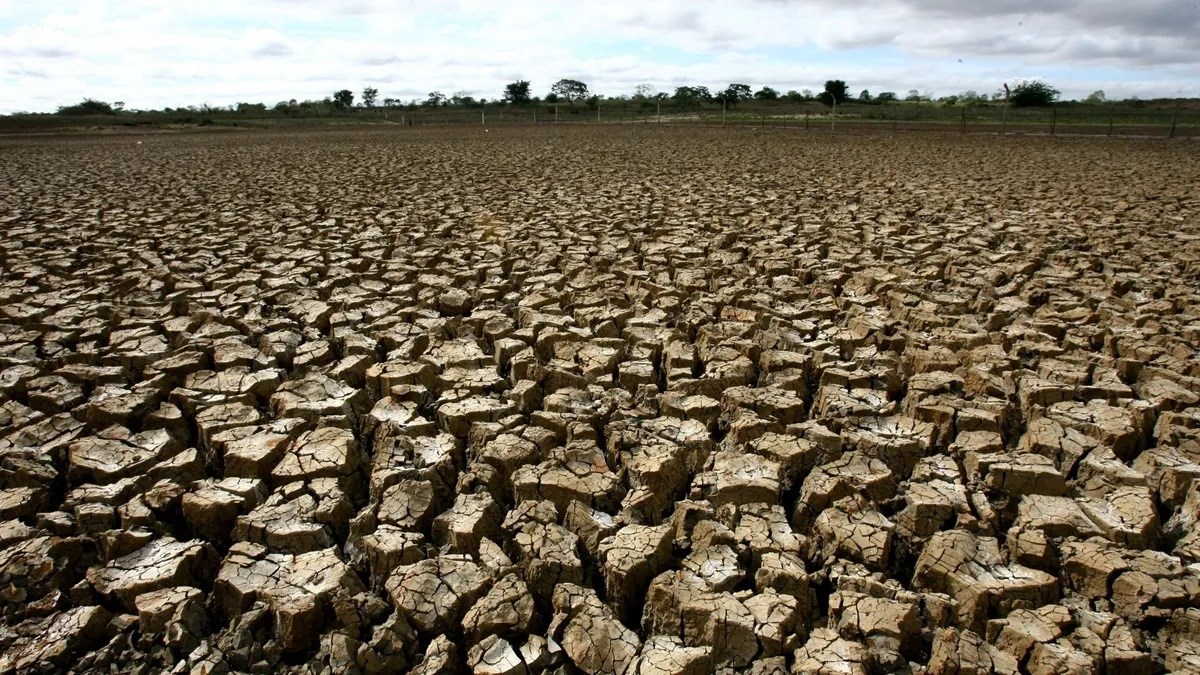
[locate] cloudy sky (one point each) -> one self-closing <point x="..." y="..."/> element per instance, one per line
<point x="154" y="53"/>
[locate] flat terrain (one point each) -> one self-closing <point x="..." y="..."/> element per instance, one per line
<point x="599" y="400"/>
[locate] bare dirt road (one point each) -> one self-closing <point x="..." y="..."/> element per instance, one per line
<point x="606" y="400"/>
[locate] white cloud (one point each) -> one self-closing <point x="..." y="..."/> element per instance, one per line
<point x="221" y="51"/>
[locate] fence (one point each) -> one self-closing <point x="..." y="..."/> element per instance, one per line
<point x="1168" y="119"/>
<point x="1111" y="120"/>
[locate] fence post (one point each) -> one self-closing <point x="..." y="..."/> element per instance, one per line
<point x="482" y="117"/>
<point x="597" y="111"/>
<point x="722" y="111"/>
<point x="1053" y="119"/>
<point x="658" y="115"/>
<point x="1174" y="119"/>
<point x="1004" y="117"/>
<point x="833" y="115"/>
<point x="806" y="114"/>
<point x="1112" y="110"/>
<point x="963" y="127"/>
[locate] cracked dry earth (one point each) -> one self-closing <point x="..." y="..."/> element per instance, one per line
<point x="599" y="400"/>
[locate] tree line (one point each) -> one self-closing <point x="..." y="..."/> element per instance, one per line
<point x="573" y="93"/>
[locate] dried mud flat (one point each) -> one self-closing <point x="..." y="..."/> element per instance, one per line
<point x="600" y="401"/>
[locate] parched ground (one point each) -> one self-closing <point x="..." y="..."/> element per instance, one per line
<point x="605" y="400"/>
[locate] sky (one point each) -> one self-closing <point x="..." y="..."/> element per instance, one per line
<point x="156" y="53"/>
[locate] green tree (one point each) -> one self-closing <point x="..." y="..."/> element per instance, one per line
<point x="517" y="93"/>
<point x="733" y="93"/>
<point x="690" y="97"/>
<point x="886" y="97"/>
<point x="572" y="90"/>
<point x="370" y="95"/>
<point x="343" y="98"/>
<point x="864" y="96"/>
<point x="1030" y="93"/>
<point x="436" y="98"/>
<point x="836" y="91"/>
<point x="766" y="94"/>
<point x="1096" y="97"/>
<point x="87" y="106"/>
<point x="793" y="95"/>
